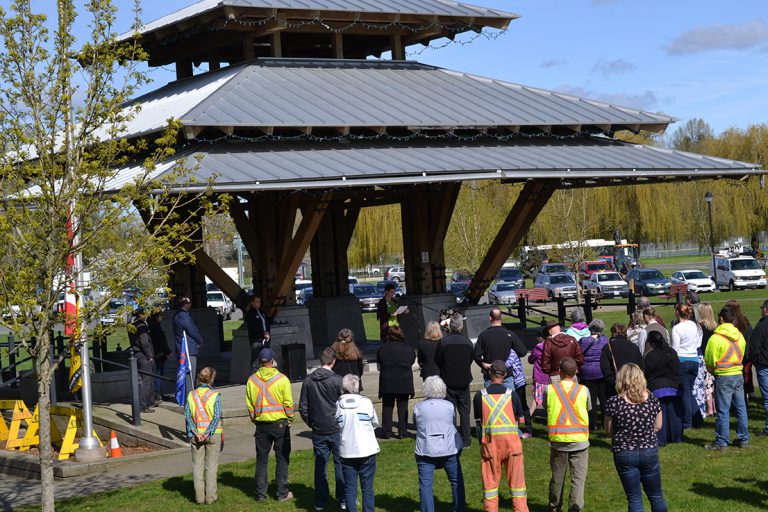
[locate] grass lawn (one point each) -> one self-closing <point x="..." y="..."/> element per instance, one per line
<point x="693" y="479"/>
<point x="674" y="260"/>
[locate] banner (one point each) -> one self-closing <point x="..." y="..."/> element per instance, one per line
<point x="181" y="374"/>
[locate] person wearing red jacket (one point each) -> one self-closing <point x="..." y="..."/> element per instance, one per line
<point x="557" y="346"/>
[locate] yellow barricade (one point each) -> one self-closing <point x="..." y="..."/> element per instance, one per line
<point x="5" y="405"/>
<point x="68" y="444"/>
<point x="20" y="413"/>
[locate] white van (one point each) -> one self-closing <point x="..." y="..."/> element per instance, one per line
<point x="736" y="272"/>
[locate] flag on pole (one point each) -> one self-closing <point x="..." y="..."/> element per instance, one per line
<point x="181" y="373"/>
<point x="71" y="317"/>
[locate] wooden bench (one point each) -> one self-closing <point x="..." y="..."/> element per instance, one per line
<point x="533" y="294"/>
<point x="680" y="288"/>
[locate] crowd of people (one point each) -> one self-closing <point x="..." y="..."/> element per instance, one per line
<point x="651" y="384"/>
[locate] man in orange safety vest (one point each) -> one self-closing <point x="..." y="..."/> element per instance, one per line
<point x="270" y="405"/>
<point x="568" y="425"/>
<point x="497" y="414"/>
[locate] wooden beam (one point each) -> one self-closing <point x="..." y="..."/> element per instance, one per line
<point x="531" y="200"/>
<point x="447" y="203"/>
<point x="248" y="50"/>
<point x="277" y="45"/>
<point x="183" y="69"/>
<point x="220" y="278"/>
<point x="350" y="221"/>
<point x="338" y="45"/>
<point x="245" y="229"/>
<point x="398" y="50"/>
<point x="298" y="246"/>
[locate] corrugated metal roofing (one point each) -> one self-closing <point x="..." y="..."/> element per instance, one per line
<point x="240" y="166"/>
<point x="417" y="7"/>
<point x="363" y="93"/>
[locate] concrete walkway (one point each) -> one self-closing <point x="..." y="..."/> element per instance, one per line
<point x="167" y="423"/>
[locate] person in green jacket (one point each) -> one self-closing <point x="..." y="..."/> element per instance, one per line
<point x="724" y="358"/>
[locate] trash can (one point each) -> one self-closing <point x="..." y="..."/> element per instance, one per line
<point x="295" y="362"/>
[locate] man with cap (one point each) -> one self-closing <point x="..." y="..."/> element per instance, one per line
<point x="184" y="324"/>
<point x="497" y="414"/>
<point x="270" y="405"/>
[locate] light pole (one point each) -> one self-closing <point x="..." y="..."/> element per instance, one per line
<point x="708" y="197"/>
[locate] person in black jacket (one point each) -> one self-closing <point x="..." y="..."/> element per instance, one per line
<point x="662" y="373"/>
<point x="616" y="353"/>
<point x="162" y="351"/>
<point x="141" y="343"/>
<point x="395" y="360"/>
<point x="349" y="357"/>
<point x="317" y="407"/>
<point x="258" y="329"/>
<point x="184" y="324"/>
<point x="454" y="357"/>
<point x="427" y="347"/>
<point x="494" y="344"/>
<point x="757" y="352"/>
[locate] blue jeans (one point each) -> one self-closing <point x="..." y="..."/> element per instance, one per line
<point x="325" y="445"/>
<point x="689" y="370"/>
<point x="730" y="389"/>
<point x="636" y="468"/>
<point x="762" y="382"/>
<point x="452" y="466"/>
<point x="363" y="468"/>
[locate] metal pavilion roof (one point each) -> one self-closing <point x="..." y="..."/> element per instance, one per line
<point x="249" y="166"/>
<point x="428" y="8"/>
<point x="307" y="94"/>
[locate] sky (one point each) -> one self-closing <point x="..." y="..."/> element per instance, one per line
<point x="685" y="58"/>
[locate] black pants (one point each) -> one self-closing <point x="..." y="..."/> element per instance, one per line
<point x="520" y="392"/>
<point x="146" y="383"/>
<point x="275" y="434"/>
<point x="388" y="407"/>
<point x="597" y="392"/>
<point x="459" y="397"/>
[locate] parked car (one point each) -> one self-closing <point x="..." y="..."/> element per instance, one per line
<point x="461" y="276"/>
<point x="116" y="310"/>
<point x="367" y="294"/>
<point x="557" y="284"/>
<point x="588" y="268"/>
<point x="299" y="285"/>
<point x="737" y="272"/>
<point x="395" y="274"/>
<point x="220" y="302"/>
<point x="458" y="289"/>
<point x="511" y="275"/>
<point x="503" y="293"/>
<point x="304" y="296"/>
<point x="648" y="281"/>
<point x="696" y="280"/>
<point x="382" y="284"/>
<point x="353" y="280"/>
<point x="555" y="268"/>
<point x="607" y="284"/>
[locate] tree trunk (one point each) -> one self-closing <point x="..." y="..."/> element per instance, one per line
<point x="44" y="375"/>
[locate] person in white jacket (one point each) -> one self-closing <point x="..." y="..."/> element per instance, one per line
<point x="357" y="420"/>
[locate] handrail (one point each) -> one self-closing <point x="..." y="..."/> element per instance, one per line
<point x="126" y="367"/>
<point x="21" y="376"/>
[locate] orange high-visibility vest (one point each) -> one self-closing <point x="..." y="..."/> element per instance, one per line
<point x="567" y="415"/>
<point x="202" y="402"/>
<point x="265" y="405"/>
<point x="498" y="416"/>
<point x="732" y="357"/>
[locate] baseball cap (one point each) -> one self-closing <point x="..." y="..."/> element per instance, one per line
<point x="498" y="367"/>
<point x="266" y="354"/>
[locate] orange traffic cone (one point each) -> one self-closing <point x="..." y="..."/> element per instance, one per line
<point x="115" y="450"/>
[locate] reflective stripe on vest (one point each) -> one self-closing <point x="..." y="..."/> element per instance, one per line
<point x="200" y="413"/>
<point x="498" y="415"/>
<point x="272" y="404"/>
<point x="567" y="421"/>
<point x="732" y="357"/>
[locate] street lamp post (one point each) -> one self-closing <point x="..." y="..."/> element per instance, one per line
<point x="708" y="197"/>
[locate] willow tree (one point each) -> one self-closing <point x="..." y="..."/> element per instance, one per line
<point x="63" y="112"/>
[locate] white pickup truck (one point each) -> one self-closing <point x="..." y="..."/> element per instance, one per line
<point x="606" y="285"/>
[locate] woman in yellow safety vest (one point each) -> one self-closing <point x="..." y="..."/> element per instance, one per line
<point x="204" y="429"/>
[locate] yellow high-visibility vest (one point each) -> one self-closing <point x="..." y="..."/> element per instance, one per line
<point x="567" y="414"/>
<point x="202" y="402"/>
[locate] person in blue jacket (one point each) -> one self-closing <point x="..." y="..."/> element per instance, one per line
<point x="182" y="322"/>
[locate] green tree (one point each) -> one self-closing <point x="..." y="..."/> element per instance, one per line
<point x="61" y="123"/>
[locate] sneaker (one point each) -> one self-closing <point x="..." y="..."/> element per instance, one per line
<point x="526" y="435"/>
<point x="287" y="497"/>
<point x="715" y="447"/>
<point x="738" y="443"/>
<point x="147" y="410"/>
